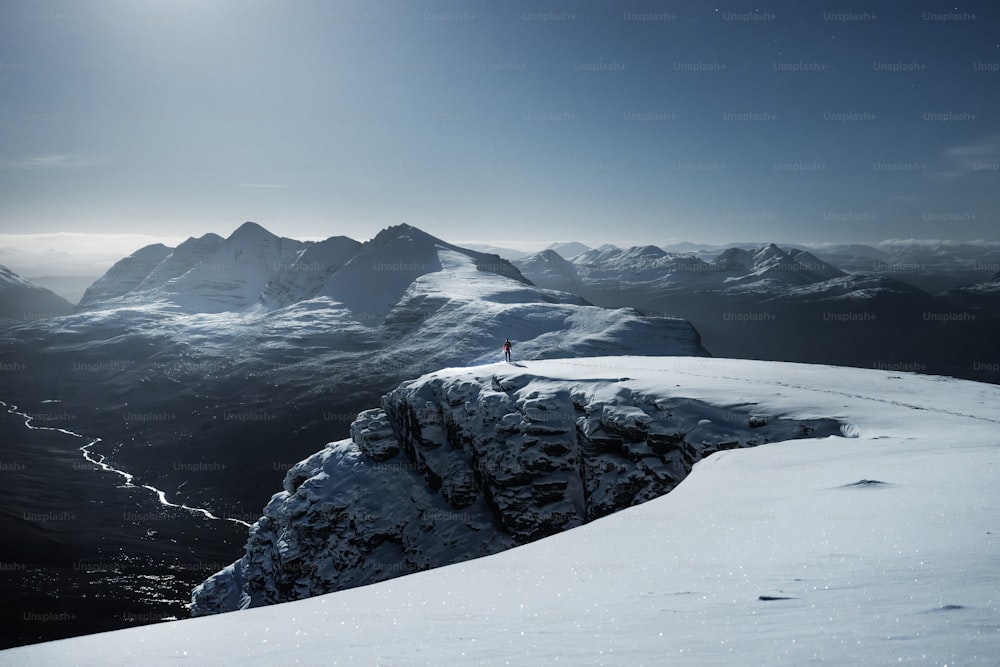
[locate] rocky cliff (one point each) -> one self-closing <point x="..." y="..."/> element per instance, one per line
<point x="467" y="462"/>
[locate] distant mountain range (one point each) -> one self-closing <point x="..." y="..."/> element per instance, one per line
<point x="790" y="304"/>
<point x="770" y="302"/>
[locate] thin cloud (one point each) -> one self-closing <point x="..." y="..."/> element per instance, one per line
<point x="53" y="162"/>
<point x="82" y="242"/>
<point x="931" y="243"/>
<point x="265" y="186"/>
<point x="977" y="157"/>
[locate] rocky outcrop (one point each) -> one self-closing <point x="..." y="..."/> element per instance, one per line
<point x="465" y="463"/>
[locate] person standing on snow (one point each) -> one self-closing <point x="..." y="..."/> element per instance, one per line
<point x="506" y="350"/>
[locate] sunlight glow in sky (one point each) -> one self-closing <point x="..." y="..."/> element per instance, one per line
<point x="638" y="122"/>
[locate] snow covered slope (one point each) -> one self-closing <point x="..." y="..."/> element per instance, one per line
<point x="233" y="277"/>
<point x="21" y="300"/>
<point x="207" y="274"/>
<point x="375" y="278"/>
<point x="464" y="463"/>
<point x="874" y="549"/>
<point x="126" y="274"/>
<point x="305" y="276"/>
<point x="181" y="259"/>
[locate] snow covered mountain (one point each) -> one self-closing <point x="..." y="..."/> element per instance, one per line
<point x="551" y="269"/>
<point x="569" y="249"/>
<point x="377" y="276"/>
<point x="23" y="301"/>
<point x="254" y="267"/>
<point x="215" y="329"/>
<point x="233" y="277"/>
<point x="940" y="256"/>
<point x="792" y="267"/>
<point x="466" y="462"/>
<point x="767" y="270"/>
<point x="207" y="274"/>
<point x="879" y="548"/>
<point x="933" y="266"/>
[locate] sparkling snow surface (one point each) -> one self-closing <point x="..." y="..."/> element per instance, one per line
<point x="877" y="548"/>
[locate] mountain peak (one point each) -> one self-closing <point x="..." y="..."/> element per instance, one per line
<point x="647" y="251"/>
<point x="769" y="251"/>
<point x="551" y="255"/>
<point x="402" y="231"/>
<point x="733" y="259"/>
<point x="204" y="238"/>
<point x="250" y="230"/>
<point x="570" y="249"/>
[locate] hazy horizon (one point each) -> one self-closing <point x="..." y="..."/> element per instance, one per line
<point x="89" y="252"/>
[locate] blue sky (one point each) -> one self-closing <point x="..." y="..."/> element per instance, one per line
<point x="621" y="122"/>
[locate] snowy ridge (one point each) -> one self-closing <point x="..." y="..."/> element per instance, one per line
<point x="126" y="275"/>
<point x="181" y="259"/>
<point x="875" y="549"/>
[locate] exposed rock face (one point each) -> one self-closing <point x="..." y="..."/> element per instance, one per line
<point x="465" y="463"/>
